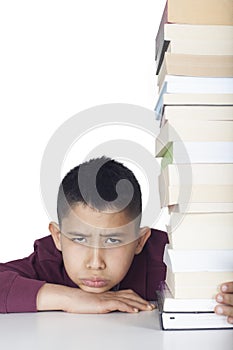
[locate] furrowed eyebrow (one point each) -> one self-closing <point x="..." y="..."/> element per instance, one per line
<point x="114" y="234"/>
<point x="77" y="234"/>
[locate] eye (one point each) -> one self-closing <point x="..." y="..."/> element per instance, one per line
<point x="80" y="240"/>
<point x="113" y="241"/>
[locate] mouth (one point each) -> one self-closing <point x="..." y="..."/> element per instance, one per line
<point x="94" y="282"/>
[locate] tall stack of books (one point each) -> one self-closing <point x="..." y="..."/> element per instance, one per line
<point x="194" y="55"/>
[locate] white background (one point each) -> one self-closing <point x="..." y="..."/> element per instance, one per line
<point x="57" y="59"/>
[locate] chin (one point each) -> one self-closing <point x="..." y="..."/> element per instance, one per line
<point x="94" y="290"/>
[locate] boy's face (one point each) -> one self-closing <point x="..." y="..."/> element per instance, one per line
<point x="97" y="247"/>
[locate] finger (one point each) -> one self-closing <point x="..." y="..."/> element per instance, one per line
<point x="116" y="305"/>
<point x="230" y="319"/>
<point x="227" y="287"/>
<point x="131" y="298"/>
<point x="130" y="294"/>
<point x="225" y="298"/>
<point x="224" y="310"/>
<point x="137" y="304"/>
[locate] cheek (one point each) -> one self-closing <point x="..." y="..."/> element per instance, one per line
<point x="121" y="258"/>
<point x="72" y="256"/>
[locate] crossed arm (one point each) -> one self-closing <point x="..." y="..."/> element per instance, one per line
<point x="56" y="297"/>
<point x="74" y="300"/>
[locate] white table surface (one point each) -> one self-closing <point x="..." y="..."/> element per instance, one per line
<point x="114" y="331"/>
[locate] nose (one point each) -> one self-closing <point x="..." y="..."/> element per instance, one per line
<point x="95" y="260"/>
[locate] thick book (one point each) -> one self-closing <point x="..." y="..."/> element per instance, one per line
<point x="197" y="85"/>
<point x="170" y="304"/>
<point x="187" y="32"/>
<point x="187" y="313"/>
<point x="187" y="114"/>
<point x="197" y="273"/>
<point x="209" y="260"/>
<point x="195" y="66"/>
<point x="170" y="195"/>
<point x="195" y="99"/>
<point x="196" y="284"/>
<point x="194" y="131"/>
<point x="198" y="174"/>
<point x="183" y="183"/>
<point x="200" y="47"/>
<point x="190" y="99"/>
<point x="197" y="208"/>
<point x="199" y="12"/>
<point x="187" y="231"/>
<point x="192" y="321"/>
<point x="179" y="152"/>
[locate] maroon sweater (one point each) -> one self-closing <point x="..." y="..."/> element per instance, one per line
<point x="20" y="280"/>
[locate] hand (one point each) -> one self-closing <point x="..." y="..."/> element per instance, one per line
<point x="75" y="300"/>
<point x="101" y="303"/>
<point x="225" y="299"/>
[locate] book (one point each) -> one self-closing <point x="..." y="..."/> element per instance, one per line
<point x="188" y="32"/>
<point x="209" y="260"/>
<point x="178" y="152"/>
<point x="170" y="304"/>
<point x="194" y="208"/>
<point x="195" y="66"/>
<point x="187" y="231"/>
<point x="196" y="284"/>
<point x="170" y="195"/>
<point x="200" y="47"/>
<point x="185" y="183"/>
<point x="193" y="320"/>
<point x="199" y="11"/>
<point x="196" y="113"/>
<point x="198" y="174"/>
<point x="190" y="99"/>
<point x="198" y="99"/>
<point x="197" y="32"/>
<point x="197" y="273"/>
<point x="197" y="85"/>
<point x="195" y="131"/>
<point x="187" y="313"/>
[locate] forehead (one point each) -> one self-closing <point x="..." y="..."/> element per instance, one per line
<point x="87" y="219"/>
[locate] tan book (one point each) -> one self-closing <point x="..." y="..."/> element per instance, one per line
<point x="198" y="174"/>
<point x="199" y="11"/>
<point x="170" y="195"/>
<point x="197" y="208"/>
<point x="197" y="273"/>
<point x="198" y="99"/>
<point x="194" y="131"/>
<point x="197" y="32"/>
<point x="195" y="65"/>
<point x="189" y="32"/>
<point x="200" y="231"/>
<point x="201" y="47"/>
<point x="196" y="113"/>
<point x="198" y="285"/>
<point x="190" y="99"/>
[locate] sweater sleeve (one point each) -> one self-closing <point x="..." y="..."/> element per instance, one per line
<point x="18" y="293"/>
<point x="19" y="284"/>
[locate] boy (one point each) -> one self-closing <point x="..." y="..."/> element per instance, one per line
<point x="97" y="258"/>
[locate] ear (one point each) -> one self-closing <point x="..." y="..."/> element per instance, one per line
<point x="145" y="233"/>
<point x="56" y="234"/>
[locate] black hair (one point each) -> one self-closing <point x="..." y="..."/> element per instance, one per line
<point x="102" y="184"/>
